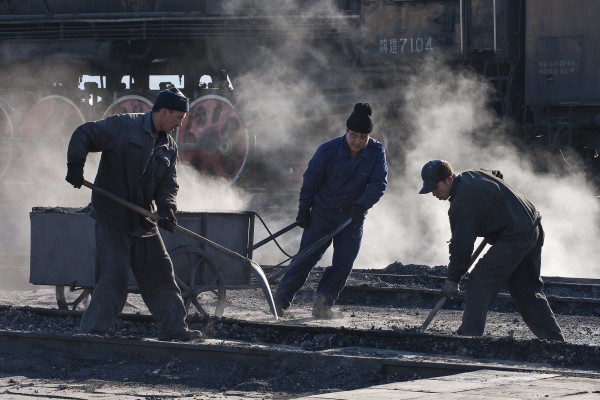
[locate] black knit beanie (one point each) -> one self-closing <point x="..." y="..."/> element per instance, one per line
<point x="172" y="99"/>
<point x="360" y="119"/>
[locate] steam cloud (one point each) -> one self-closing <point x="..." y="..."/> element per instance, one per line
<point x="451" y="121"/>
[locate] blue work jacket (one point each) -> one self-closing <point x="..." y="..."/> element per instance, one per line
<point x="334" y="179"/>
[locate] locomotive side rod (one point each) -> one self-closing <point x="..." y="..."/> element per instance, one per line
<point x="443" y="300"/>
<point x="258" y="271"/>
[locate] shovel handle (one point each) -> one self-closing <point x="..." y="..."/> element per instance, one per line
<point x="122" y="202"/>
<point x="309" y="250"/>
<point x="441" y="302"/>
<point x="258" y="271"/>
<point x="433" y="312"/>
<point x="154" y="217"/>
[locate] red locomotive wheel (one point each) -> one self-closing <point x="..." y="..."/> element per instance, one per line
<point x="52" y="117"/>
<point x="128" y="104"/>
<point x="6" y="142"/>
<point x="213" y="138"/>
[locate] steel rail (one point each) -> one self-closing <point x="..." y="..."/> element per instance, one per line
<point x="88" y="347"/>
<point x="327" y="338"/>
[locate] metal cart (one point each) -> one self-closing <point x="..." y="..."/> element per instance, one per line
<point x="63" y="254"/>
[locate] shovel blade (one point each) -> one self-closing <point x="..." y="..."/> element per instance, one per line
<point x="433" y="312"/>
<point x="264" y="285"/>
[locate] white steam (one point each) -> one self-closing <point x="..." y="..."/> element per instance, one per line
<point x="451" y="122"/>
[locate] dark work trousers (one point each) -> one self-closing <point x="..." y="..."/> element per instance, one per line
<point x="346" y="245"/>
<point x="116" y="251"/>
<point x="516" y="263"/>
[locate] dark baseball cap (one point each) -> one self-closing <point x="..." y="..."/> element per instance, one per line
<point x="432" y="173"/>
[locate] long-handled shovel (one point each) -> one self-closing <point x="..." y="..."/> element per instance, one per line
<point x="444" y="299"/>
<point x="258" y="271"/>
<point x="309" y="250"/>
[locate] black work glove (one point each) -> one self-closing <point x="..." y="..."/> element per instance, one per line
<point x="75" y="174"/>
<point x="497" y="174"/>
<point x="358" y="213"/>
<point x="167" y="220"/>
<point x="450" y="289"/>
<point x="303" y="218"/>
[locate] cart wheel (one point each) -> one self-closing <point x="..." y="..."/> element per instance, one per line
<point x="190" y="262"/>
<point x="68" y="298"/>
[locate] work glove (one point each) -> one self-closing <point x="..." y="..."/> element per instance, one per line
<point x="497" y="174"/>
<point x="75" y="174"/>
<point x="167" y="220"/>
<point x="358" y="213"/>
<point x="450" y="289"/>
<point x="303" y="218"/>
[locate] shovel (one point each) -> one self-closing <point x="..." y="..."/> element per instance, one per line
<point x="309" y="250"/>
<point x="444" y="299"/>
<point x="258" y="271"/>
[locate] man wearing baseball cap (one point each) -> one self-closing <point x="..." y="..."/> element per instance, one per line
<point x="482" y="204"/>
<point x="138" y="164"/>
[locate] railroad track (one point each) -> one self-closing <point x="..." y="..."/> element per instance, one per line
<point x="571" y="296"/>
<point x="270" y="342"/>
<point x="412" y="297"/>
<point x="391" y="348"/>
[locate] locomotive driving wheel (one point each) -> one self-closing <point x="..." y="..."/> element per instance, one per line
<point x="213" y="138"/>
<point x="43" y="135"/>
<point x="199" y="279"/>
<point x="128" y="104"/>
<point x="52" y="119"/>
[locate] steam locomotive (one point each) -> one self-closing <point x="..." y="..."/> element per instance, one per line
<point x="539" y="56"/>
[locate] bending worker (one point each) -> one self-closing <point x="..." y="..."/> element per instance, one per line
<point x="345" y="177"/>
<point x="482" y="204"/>
<point x="138" y="164"/>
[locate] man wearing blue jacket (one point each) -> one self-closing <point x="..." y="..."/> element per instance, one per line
<point x="138" y="164"/>
<point x="344" y="179"/>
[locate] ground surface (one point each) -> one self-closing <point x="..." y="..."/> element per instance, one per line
<point x="184" y="379"/>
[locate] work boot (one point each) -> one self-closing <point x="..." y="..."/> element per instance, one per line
<point x="183" y="336"/>
<point x="326" y="313"/>
<point x="322" y="309"/>
<point x="279" y="308"/>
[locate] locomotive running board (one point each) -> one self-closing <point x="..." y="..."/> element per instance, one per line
<point x="258" y="271"/>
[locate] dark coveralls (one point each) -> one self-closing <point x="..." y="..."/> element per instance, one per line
<point x="484" y="205"/>
<point x="331" y="183"/>
<point x="138" y="166"/>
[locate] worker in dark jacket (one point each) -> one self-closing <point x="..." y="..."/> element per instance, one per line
<point x="138" y="164"/>
<point x="345" y="177"/>
<point x="482" y="204"/>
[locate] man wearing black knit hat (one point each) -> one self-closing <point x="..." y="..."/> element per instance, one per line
<point x="138" y="164"/>
<point x="345" y="177"/>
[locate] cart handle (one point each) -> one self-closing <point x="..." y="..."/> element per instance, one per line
<point x="275" y="235"/>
